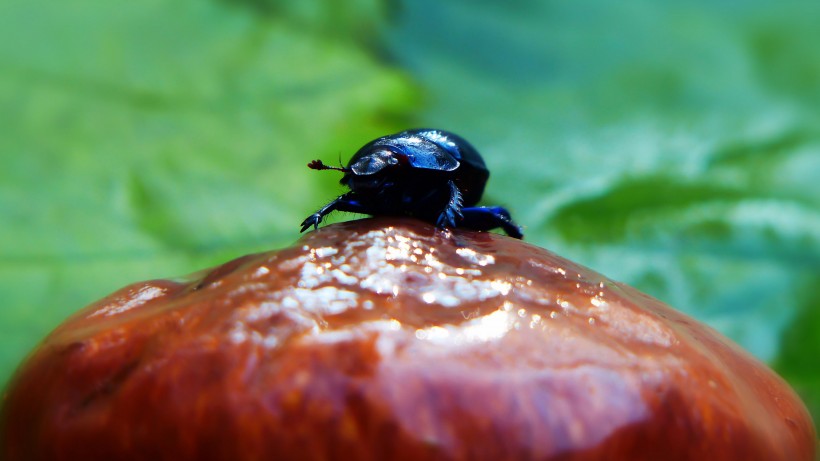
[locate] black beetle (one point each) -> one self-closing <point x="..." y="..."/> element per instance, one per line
<point x="429" y="174"/>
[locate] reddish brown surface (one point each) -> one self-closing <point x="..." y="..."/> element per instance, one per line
<point x="389" y="340"/>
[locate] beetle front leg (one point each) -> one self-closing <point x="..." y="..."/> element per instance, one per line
<point x="483" y="218"/>
<point x="452" y="211"/>
<point x="344" y="202"/>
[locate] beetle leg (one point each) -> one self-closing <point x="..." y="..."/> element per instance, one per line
<point x="344" y="202"/>
<point x="483" y="218"/>
<point x="452" y="212"/>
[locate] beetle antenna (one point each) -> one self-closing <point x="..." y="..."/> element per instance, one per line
<point x="318" y="165"/>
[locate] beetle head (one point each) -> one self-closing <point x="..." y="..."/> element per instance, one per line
<point x="377" y="160"/>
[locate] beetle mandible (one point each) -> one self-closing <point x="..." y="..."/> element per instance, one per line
<point x="429" y="174"/>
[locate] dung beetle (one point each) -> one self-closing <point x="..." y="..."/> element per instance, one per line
<point x="432" y="175"/>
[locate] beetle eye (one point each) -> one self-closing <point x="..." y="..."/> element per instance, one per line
<point x="374" y="162"/>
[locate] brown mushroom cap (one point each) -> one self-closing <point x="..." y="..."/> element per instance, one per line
<point x="386" y="339"/>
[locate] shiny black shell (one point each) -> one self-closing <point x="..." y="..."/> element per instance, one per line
<point x="432" y="175"/>
<point x="425" y="152"/>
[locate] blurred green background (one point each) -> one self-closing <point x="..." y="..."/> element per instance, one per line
<point x="674" y="146"/>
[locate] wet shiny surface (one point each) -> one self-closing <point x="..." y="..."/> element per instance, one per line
<point x="388" y="339"/>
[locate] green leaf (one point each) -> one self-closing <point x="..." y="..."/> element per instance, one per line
<point x="800" y="344"/>
<point x="673" y="146"/>
<point x="156" y="138"/>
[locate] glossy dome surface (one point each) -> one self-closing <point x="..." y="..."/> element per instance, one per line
<point x="386" y="339"/>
